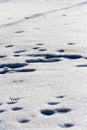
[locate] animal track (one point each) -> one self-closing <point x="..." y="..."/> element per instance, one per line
<point x="64" y="15"/>
<point x="16" y="55"/>
<point x="1" y="111"/>
<point x="67" y="125"/>
<point x="5" y="70"/>
<point x="17" y="108"/>
<point x="71" y="43"/>
<point x="40" y="44"/>
<point x="25" y="70"/>
<point x="1" y="104"/>
<point x="72" y="57"/>
<point x="42" y="60"/>
<point x="63" y="110"/>
<point x="16" y="99"/>
<point x="19" y="32"/>
<point x="53" y="56"/>
<point x="61" y="50"/>
<point x="8" y="46"/>
<point x="26" y="17"/>
<point x="2" y="56"/>
<point x="85" y="65"/>
<point x="47" y="112"/>
<point x="13" y="65"/>
<point x="13" y="102"/>
<point x="20" y="51"/>
<point x="42" y="49"/>
<point x="35" y="48"/>
<point x="62" y="96"/>
<point x="23" y="121"/>
<point x="53" y="103"/>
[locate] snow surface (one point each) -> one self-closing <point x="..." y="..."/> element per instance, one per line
<point x="43" y="64"/>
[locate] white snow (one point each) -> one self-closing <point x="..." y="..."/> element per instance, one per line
<point x="43" y="64"/>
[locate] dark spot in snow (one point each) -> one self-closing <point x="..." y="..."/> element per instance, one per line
<point x="47" y="112"/>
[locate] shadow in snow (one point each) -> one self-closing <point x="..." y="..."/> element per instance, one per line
<point x="19" y="32"/>
<point x="23" y="121"/>
<point x="1" y="111"/>
<point x="8" y="46"/>
<point x="51" y="56"/>
<point x="63" y="110"/>
<point x="43" y="60"/>
<point x="17" y="108"/>
<point x="25" y="70"/>
<point x="85" y="65"/>
<point x="53" y="103"/>
<point x="2" y="56"/>
<point x="13" y="65"/>
<point x="47" y="112"/>
<point x="20" y="51"/>
<point x="67" y="125"/>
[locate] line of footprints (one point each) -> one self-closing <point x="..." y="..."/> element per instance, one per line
<point x="12" y="102"/>
<point x="62" y="110"/>
<point x="45" y="112"/>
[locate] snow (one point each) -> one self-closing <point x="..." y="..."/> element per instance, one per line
<point x="43" y="64"/>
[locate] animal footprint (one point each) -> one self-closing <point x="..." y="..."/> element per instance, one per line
<point x="20" y="51"/>
<point x="17" y="108"/>
<point x="67" y="125"/>
<point x="62" y="96"/>
<point x="42" y="49"/>
<point x="63" y="110"/>
<point x="2" y="56"/>
<point x="35" y="48"/>
<point x="1" y="104"/>
<point x="71" y="43"/>
<point x="53" y="103"/>
<point x="23" y="121"/>
<point x="61" y="50"/>
<point x="47" y="112"/>
<point x="13" y="102"/>
<point x="1" y="111"/>
<point x="40" y="44"/>
<point x="8" y="46"/>
<point x="19" y="32"/>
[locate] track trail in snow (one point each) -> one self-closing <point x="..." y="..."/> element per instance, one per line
<point x="42" y="14"/>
